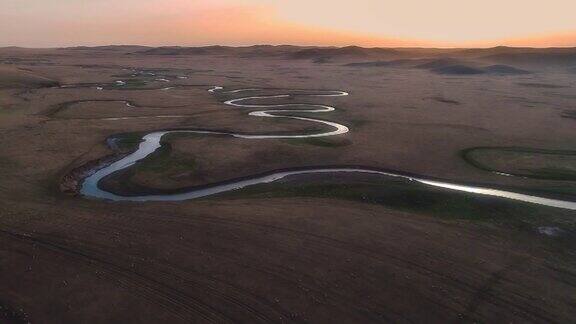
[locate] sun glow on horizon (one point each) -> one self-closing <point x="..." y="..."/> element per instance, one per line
<point x="441" y="23"/>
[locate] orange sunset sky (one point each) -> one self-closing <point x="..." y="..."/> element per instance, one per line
<point x="438" y="23"/>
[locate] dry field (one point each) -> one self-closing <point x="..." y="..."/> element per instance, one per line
<point x="319" y="249"/>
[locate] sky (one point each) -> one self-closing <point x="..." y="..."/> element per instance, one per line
<point x="382" y="23"/>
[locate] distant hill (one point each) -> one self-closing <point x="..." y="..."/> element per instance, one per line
<point x="544" y="59"/>
<point x="371" y="64"/>
<point x="245" y="51"/>
<point x="440" y="63"/>
<point x="427" y="58"/>
<point x="554" y="56"/>
<point x="268" y="50"/>
<point x="458" y="70"/>
<point x="177" y="50"/>
<point x="11" y="77"/>
<point x="505" y="69"/>
<point x="418" y="63"/>
<point x="444" y="66"/>
<point x="477" y="52"/>
<point x="524" y="55"/>
<point x="343" y="52"/>
<point x="318" y="54"/>
<point x="126" y="48"/>
<point x="391" y="63"/>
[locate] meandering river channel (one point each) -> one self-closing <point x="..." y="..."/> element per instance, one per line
<point x="152" y="142"/>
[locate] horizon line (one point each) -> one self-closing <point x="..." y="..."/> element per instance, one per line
<point x="294" y="45"/>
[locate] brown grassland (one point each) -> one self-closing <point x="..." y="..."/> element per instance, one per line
<point x="319" y="249"/>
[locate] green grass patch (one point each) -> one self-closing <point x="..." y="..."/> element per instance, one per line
<point x="408" y="196"/>
<point x="563" y="190"/>
<point x="553" y="174"/>
<point x="127" y="142"/>
<point x="510" y="160"/>
<point x="164" y="160"/>
<point x="167" y="164"/>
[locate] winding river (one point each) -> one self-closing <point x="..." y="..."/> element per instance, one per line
<point x="152" y="141"/>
